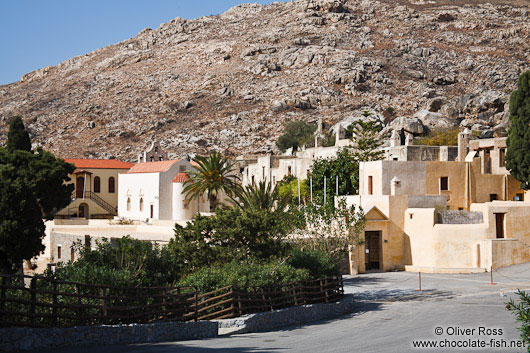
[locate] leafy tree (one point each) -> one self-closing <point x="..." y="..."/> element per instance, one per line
<point x="288" y="189"/>
<point x="296" y="134"/>
<point x="518" y="142"/>
<point x="46" y="175"/>
<point x="521" y="310"/>
<point x="212" y="175"/>
<point x="344" y="165"/>
<point x="43" y="180"/>
<point x="18" y="137"/>
<point x="21" y="225"/>
<point x="333" y="229"/>
<point x="232" y="233"/>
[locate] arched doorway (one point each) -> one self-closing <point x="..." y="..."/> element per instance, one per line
<point x="79" y="187"/>
<point x="83" y="211"/>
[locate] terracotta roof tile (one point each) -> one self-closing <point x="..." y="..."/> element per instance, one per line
<point x="151" y="167"/>
<point x="181" y="178"/>
<point x="99" y="163"/>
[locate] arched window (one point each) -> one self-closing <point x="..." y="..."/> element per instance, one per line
<point x="97" y="185"/>
<point x="141" y="204"/>
<point x="128" y="204"/>
<point x="112" y="185"/>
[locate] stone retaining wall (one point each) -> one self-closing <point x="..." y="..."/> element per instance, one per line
<point x="296" y="315"/>
<point x="23" y="338"/>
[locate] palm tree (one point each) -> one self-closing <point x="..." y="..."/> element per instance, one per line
<point x="260" y="197"/>
<point x="212" y="175"/>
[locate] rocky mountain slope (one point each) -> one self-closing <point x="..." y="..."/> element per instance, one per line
<point x="229" y="82"/>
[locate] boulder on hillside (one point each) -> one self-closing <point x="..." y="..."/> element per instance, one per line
<point x="435" y="121"/>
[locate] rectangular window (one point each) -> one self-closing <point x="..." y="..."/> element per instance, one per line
<point x="59" y="252"/>
<point x="493" y="197"/>
<point x="519" y="197"/>
<point x="289" y="172"/>
<point x="72" y="254"/>
<point x="444" y="183"/>
<point x="263" y="172"/>
<point x="370" y="185"/>
<point x="502" y="157"/>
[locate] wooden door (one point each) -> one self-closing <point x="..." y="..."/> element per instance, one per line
<point x="499" y="225"/>
<point x="79" y="187"/>
<point x="372" y="247"/>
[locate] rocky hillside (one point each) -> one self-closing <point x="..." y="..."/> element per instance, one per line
<point x="229" y="82"/>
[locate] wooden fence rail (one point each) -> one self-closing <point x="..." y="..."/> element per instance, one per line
<point x="29" y="301"/>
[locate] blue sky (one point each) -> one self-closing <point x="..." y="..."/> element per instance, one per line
<point x="37" y="33"/>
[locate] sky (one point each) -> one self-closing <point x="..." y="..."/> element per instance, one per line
<point x="38" y="33"/>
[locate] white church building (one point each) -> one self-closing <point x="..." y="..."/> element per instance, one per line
<point x="153" y="191"/>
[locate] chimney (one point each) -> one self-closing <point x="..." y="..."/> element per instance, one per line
<point x="463" y="142"/>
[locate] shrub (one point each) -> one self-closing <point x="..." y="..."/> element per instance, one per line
<point x="439" y="138"/>
<point x="123" y="262"/>
<point x="231" y="233"/>
<point x="318" y="263"/>
<point x="254" y="272"/>
<point x="521" y="311"/>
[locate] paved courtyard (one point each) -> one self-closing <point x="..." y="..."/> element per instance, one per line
<point x="391" y="314"/>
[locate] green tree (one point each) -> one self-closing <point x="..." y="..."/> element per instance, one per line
<point x="288" y="189"/>
<point x="518" y="142"/>
<point x="232" y="233"/>
<point x="212" y="175"/>
<point x="296" y="134"/>
<point x="344" y="165"/>
<point x="33" y="187"/>
<point x="333" y="228"/>
<point x="21" y="225"/>
<point x="18" y="137"/>
<point x="366" y="140"/>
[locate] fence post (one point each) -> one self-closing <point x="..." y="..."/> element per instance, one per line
<point x="102" y="293"/>
<point x="3" y="297"/>
<point x="196" y="304"/>
<point x="33" y="287"/>
<point x="302" y="296"/>
<point x="321" y="289"/>
<point x="80" y="303"/>
<point x="239" y="304"/>
<point x="164" y="293"/>
<point x="54" y="310"/>
<point x="326" y="294"/>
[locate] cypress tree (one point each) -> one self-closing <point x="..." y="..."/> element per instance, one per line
<point x="518" y="142"/>
<point x="18" y="137"/>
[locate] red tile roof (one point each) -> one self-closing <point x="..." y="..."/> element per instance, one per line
<point x="181" y="178"/>
<point x="99" y="163"/>
<point x="151" y="167"/>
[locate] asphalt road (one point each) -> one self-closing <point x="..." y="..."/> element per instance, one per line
<point x="390" y="316"/>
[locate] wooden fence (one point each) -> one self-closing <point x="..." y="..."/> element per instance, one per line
<point x="42" y="302"/>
